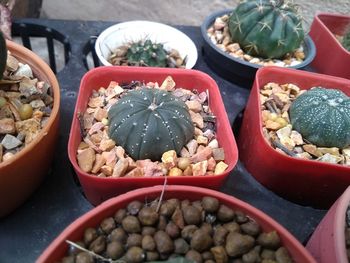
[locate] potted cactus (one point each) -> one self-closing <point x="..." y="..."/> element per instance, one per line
<point x="145" y="43"/>
<point x="141" y="133"/>
<point x="331" y="35"/>
<point x="302" y="133"/>
<point x="256" y="34"/>
<point x="29" y="105"/>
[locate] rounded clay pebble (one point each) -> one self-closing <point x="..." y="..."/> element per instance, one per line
<point x="269" y="240"/>
<point x="107" y="225"/>
<point x="131" y="224"/>
<point x="148" y="216"/>
<point x="115" y="250"/>
<point x="201" y="241"/>
<point x="194" y="256"/>
<point x="192" y="215"/>
<point x="90" y="234"/>
<point x="238" y="244"/>
<point x="134" y="255"/>
<point x="210" y="204"/>
<point x="163" y="242"/>
<point x="84" y="257"/>
<point x="225" y="214"/>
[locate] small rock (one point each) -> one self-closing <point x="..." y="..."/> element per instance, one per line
<point x="205" y="154"/>
<point x="120" y="152"/>
<point x="28" y="87"/>
<point x="287" y="142"/>
<point x="168" y="84"/>
<point x="169" y="158"/>
<point x="199" y="168"/>
<point x="98" y="126"/>
<point x="12" y="63"/>
<point x="197" y="131"/>
<point x="233" y="47"/>
<point x="220" y="168"/>
<point x="329" y="158"/>
<point x="219" y="24"/>
<point x="211" y="164"/>
<point x="107" y="144"/>
<point x="184" y="152"/>
<point x="100" y="114"/>
<point x="10" y="142"/>
<point x="7" y="126"/>
<point x="86" y="159"/>
<point x="88" y="120"/>
<point x="333" y="150"/>
<point x="24" y="70"/>
<point x="110" y="158"/>
<point x="304" y="155"/>
<point x="137" y="172"/>
<point x="254" y="60"/>
<point x="7" y="156"/>
<point x="120" y="168"/>
<point x="202" y="140"/>
<point x="99" y="162"/>
<point x="192" y="147"/>
<point x="37" y="104"/>
<point x="30" y="128"/>
<point x="197" y="119"/>
<point x="312" y="149"/>
<point x="194" y="105"/>
<point x="97" y="102"/>
<point x="284" y="132"/>
<point x="107" y="170"/>
<point x="219" y="154"/>
<point x="272" y="125"/>
<point x="150" y="169"/>
<point x="214" y="144"/>
<point x="297" y="138"/>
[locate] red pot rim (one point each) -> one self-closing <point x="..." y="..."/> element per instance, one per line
<point x="223" y="116"/>
<point x="251" y="211"/>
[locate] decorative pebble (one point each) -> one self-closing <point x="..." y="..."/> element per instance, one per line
<point x="10" y="142"/>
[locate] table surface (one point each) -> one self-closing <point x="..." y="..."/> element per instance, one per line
<point x="59" y="200"/>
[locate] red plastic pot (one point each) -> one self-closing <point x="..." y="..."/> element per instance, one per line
<point x="331" y="57"/>
<point x="327" y="244"/>
<point x="99" y="189"/>
<point x="303" y="181"/>
<point x="75" y="231"/>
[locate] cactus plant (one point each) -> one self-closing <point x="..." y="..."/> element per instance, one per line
<point x="322" y="116"/>
<point x="147" y="53"/>
<point x="267" y="28"/>
<point x="3" y="55"/>
<point x="346" y="40"/>
<point x="148" y="122"/>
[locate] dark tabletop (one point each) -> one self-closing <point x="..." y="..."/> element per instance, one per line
<point x="29" y="230"/>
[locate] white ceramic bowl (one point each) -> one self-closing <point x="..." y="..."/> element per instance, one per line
<point x="119" y="34"/>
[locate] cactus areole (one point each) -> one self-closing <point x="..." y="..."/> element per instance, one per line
<point x="148" y="122"/>
<point x="322" y="116"/>
<point x="3" y="55"/>
<point x="267" y="28"/>
<point x="147" y="53"/>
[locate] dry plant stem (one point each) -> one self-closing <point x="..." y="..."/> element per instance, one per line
<point x="94" y="254"/>
<point x="162" y="193"/>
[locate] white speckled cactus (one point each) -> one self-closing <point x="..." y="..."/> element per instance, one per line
<point x="149" y="122"/>
<point x="322" y="116"/>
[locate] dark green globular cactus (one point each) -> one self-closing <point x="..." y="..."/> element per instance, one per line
<point x="147" y="53"/>
<point x="322" y="116"/>
<point x="346" y="40"/>
<point x="267" y="28"/>
<point x="3" y="55"/>
<point x="148" y="122"/>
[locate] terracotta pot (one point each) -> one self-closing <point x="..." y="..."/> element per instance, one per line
<point x="307" y="182"/>
<point x="331" y="57"/>
<point x="22" y="174"/>
<point x="74" y="232"/>
<point x="327" y="244"/>
<point x="98" y="189"/>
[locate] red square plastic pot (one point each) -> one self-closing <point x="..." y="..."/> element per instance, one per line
<point x="303" y="181"/>
<point x="58" y="248"/>
<point x="327" y="243"/>
<point x="331" y="57"/>
<point x="99" y="189"/>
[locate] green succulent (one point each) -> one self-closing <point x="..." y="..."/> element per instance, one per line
<point x="267" y="28"/>
<point x="147" y="53"/>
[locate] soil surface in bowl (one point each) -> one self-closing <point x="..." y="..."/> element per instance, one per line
<point x="99" y="155"/>
<point x="275" y="102"/>
<point x="220" y="36"/>
<point x="25" y="107"/>
<point x="200" y="231"/>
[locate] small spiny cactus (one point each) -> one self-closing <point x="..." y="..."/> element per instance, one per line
<point x="3" y="55"/>
<point x="147" y="53"/>
<point x="346" y="40"/>
<point x="267" y="28"/>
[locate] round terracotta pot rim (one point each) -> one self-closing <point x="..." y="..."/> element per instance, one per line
<point x="284" y="156"/>
<point x="317" y="17"/>
<point x="56" y="103"/>
<point x="339" y="226"/>
<point x="181" y="188"/>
